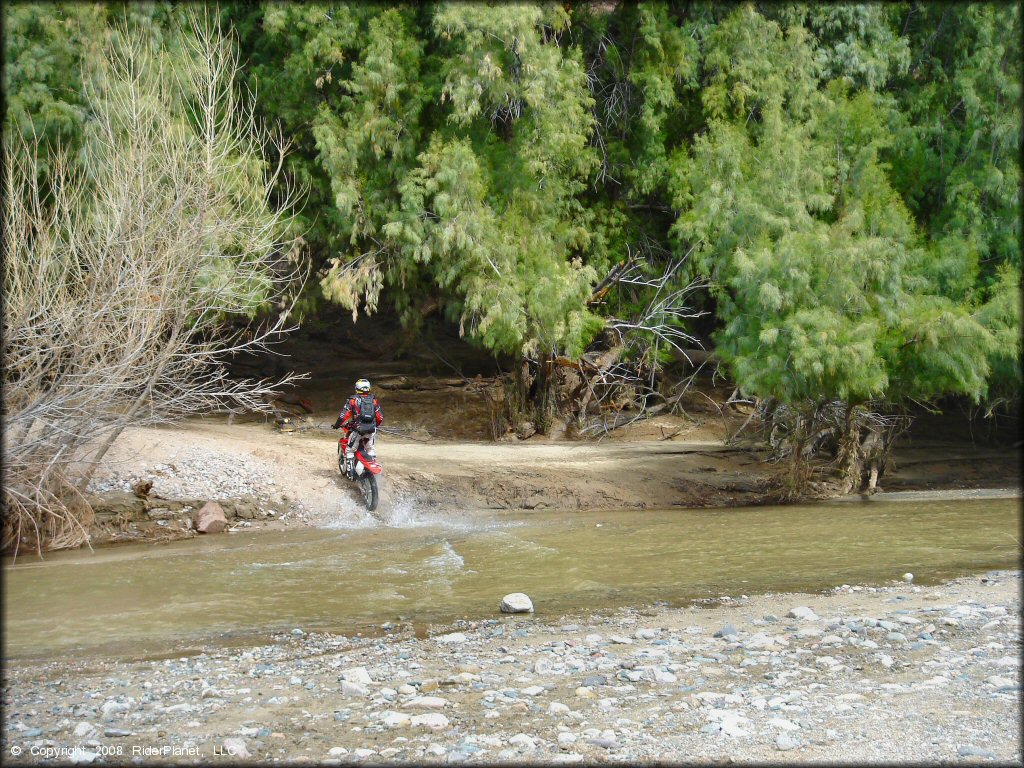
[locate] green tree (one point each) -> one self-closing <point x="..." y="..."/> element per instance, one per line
<point x="454" y="145"/>
<point x="956" y="161"/>
<point x="846" y="176"/>
<point x="48" y="47"/>
<point x="44" y="45"/>
<point x="825" y="285"/>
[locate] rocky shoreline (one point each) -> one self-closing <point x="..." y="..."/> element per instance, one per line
<point x="898" y="673"/>
<point x="154" y="500"/>
<point x="122" y="517"/>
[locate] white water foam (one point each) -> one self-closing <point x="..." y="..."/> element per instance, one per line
<point x="404" y="512"/>
<point x="293" y="564"/>
<point x="339" y="510"/>
<point x="401" y="513"/>
<point x="448" y="559"/>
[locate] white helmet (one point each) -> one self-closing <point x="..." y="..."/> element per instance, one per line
<point x="363" y="387"/>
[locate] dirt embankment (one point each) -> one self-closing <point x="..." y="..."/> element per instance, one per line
<point x="264" y="477"/>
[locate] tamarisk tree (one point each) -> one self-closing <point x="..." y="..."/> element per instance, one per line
<point x="844" y="177"/>
<point x="826" y="289"/>
<point x="453" y="142"/>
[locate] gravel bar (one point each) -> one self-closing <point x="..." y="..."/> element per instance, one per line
<point x="857" y="674"/>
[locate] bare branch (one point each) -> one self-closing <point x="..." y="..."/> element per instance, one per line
<point x="121" y="278"/>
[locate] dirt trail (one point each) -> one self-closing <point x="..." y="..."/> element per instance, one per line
<point x="291" y="478"/>
<point x="212" y="459"/>
<point x="269" y="478"/>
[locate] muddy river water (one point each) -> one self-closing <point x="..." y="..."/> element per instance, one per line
<point x="429" y="568"/>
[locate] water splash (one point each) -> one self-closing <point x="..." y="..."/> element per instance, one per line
<point x="339" y="510"/>
<point x="405" y="512"/>
<point x="402" y="513"/>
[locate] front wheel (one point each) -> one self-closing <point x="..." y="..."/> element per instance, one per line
<point x="368" y="487"/>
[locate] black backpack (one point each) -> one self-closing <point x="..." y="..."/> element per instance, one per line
<point x="366" y="414"/>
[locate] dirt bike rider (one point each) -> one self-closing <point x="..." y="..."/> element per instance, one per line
<point x="361" y="417"/>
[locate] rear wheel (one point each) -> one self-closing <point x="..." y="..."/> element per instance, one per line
<point x="368" y="487"/>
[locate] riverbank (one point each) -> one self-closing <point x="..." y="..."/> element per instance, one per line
<point x="269" y="479"/>
<point x="869" y="674"/>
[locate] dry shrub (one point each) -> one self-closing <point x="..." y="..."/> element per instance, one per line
<point x="124" y="268"/>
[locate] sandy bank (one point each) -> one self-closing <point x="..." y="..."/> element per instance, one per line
<point x="276" y="479"/>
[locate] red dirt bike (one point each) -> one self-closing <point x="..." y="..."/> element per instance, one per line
<point x="363" y="469"/>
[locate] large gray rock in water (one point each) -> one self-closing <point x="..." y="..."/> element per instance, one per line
<point x="210" y="519"/>
<point x="516" y="602"/>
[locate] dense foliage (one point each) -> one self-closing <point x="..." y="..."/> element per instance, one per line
<point x="845" y="177"/>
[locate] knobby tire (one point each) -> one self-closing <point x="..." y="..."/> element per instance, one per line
<point x="367" y="482"/>
<point x="368" y="487"/>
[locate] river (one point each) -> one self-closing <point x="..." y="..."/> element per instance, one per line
<point x="139" y="601"/>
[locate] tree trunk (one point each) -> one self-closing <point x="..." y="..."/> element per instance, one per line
<point x="851" y="457"/>
<point x="540" y="397"/>
<point x="127" y="417"/>
<point x="873" y="479"/>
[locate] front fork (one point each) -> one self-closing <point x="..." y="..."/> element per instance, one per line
<point x="350" y="464"/>
<point x="343" y="455"/>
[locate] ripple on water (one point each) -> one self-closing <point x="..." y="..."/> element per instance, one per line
<point x="448" y="559"/>
<point x="294" y="564"/>
<point x="509" y="539"/>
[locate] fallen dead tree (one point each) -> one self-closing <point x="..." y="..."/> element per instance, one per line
<point x="626" y="375"/>
<point x="619" y="379"/>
